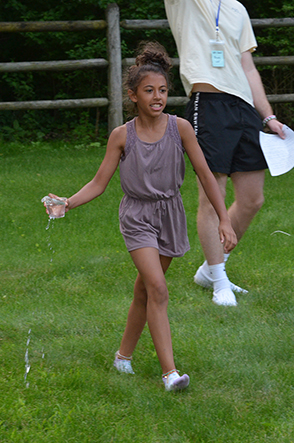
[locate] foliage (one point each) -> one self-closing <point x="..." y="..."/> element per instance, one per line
<point x="65" y="294"/>
<point x="277" y="79"/>
<point x="92" y="44"/>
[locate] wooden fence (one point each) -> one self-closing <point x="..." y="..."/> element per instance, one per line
<point x="114" y="64"/>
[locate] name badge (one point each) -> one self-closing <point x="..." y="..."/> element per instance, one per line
<point x="217" y="51"/>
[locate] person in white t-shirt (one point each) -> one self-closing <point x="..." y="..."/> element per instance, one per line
<point x="227" y="108"/>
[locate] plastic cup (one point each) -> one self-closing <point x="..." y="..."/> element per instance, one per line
<point x="55" y="207"/>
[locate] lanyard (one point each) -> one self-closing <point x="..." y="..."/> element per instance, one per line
<point x="217" y="19"/>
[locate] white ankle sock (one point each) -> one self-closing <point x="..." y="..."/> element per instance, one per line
<point x="218" y="275"/>
<point x="205" y="268"/>
<point x="205" y="265"/>
<point x="226" y="256"/>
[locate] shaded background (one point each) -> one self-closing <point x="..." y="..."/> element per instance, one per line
<point x="48" y="46"/>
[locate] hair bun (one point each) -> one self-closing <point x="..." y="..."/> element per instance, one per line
<point x="153" y="53"/>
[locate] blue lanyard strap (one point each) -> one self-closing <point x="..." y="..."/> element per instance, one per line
<point x="217" y="17"/>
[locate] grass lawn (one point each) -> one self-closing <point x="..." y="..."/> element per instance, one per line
<point x="65" y="294"/>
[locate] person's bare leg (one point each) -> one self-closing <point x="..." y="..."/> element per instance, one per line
<point x="151" y="305"/>
<point x="248" y="188"/>
<point x="212" y="273"/>
<point x="137" y="315"/>
<point x="136" y="320"/>
<point x="249" y="198"/>
<point x="207" y="224"/>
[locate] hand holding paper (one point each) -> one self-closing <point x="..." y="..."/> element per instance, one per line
<point x="278" y="152"/>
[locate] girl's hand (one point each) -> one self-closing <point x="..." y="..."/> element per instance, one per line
<point x="53" y="208"/>
<point x="227" y="236"/>
<point x="60" y="198"/>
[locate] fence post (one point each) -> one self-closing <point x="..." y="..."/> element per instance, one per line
<point x="115" y="112"/>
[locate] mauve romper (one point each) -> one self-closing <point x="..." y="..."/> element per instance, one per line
<point x="151" y="212"/>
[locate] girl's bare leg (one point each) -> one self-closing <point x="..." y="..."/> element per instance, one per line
<point x="150" y="304"/>
<point x="137" y="318"/>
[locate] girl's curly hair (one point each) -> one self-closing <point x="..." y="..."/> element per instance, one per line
<point x="152" y="57"/>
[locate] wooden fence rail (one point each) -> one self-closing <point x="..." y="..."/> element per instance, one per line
<point x="114" y="64"/>
<point x="163" y="24"/>
<point x="75" y="25"/>
<point x="60" y="65"/>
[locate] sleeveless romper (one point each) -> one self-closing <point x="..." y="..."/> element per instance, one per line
<point x="151" y="212"/>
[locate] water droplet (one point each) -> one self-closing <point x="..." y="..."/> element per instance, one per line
<point x="27" y="363"/>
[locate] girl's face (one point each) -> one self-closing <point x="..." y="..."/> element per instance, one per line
<point x="151" y="94"/>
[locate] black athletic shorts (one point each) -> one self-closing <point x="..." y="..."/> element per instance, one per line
<point x="227" y="129"/>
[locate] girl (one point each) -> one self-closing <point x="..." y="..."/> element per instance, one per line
<point x="150" y="151"/>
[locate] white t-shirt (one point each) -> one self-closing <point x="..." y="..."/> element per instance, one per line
<point x="193" y="24"/>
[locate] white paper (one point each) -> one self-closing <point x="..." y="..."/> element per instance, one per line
<point x="278" y="152"/>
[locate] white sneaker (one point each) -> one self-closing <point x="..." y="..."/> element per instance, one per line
<point x="173" y="382"/>
<point x="202" y="279"/>
<point x="224" y="297"/>
<point x="123" y="365"/>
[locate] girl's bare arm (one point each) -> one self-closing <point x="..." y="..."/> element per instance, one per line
<point x="98" y="184"/>
<point x="209" y="183"/>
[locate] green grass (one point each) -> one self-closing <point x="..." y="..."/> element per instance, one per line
<point x="74" y="302"/>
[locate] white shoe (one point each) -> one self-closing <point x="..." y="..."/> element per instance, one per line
<point x="173" y="382"/>
<point x="123" y="365"/>
<point x="202" y="279"/>
<point x="224" y="297"/>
